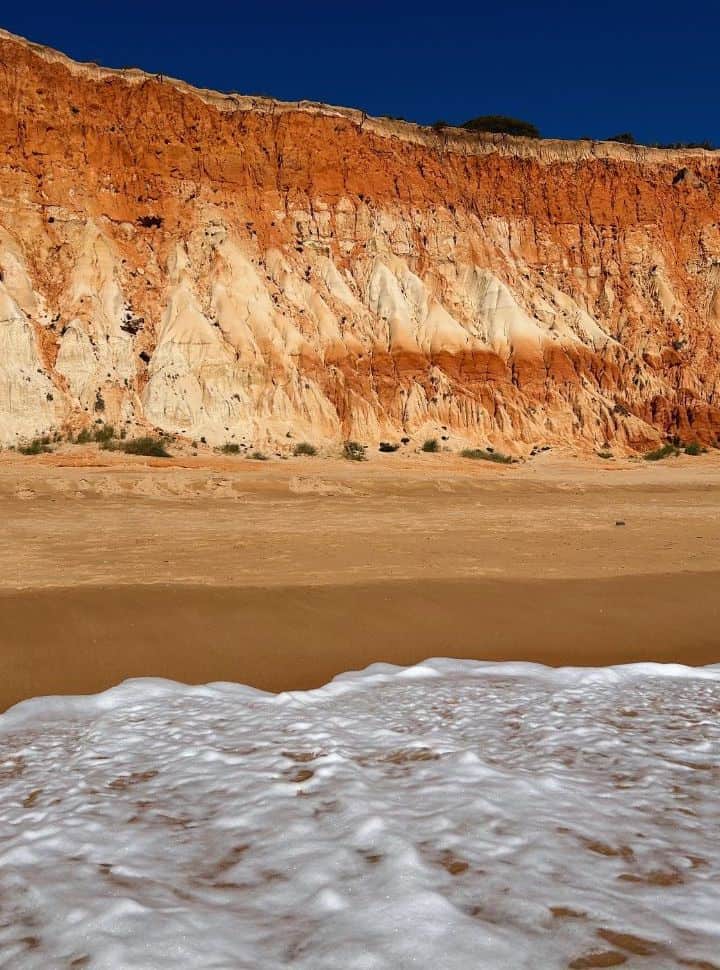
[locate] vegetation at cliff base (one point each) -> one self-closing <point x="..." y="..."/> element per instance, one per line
<point x="480" y="454"/>
<point x="431" y="445"/>
<point x="103" y="434"/>
<point x="148" y="446"/>
<point x="304" y="448"/>
<point x="354" y="451"/>
<point x="38" y="446"/>
<point x="666" y="451"/>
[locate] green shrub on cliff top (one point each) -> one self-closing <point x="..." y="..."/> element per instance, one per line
<point x="503" y="125"/>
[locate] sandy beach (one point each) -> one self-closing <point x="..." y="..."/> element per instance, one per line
<point x="281" y="574"/>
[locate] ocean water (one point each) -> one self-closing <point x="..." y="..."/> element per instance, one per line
<point x="453" y="815"/>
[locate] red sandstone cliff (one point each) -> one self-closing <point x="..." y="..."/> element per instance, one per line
<point x="242" y="269"/>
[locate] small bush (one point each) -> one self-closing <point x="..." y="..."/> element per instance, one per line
<point x="604" y="454"/>
<point x="258" y="456"/>
<point x="707" y="145"/>
<point x="83" y="437"/>
<point x="503" y="125"/>
<point x="659" y="453"/>
<point x="388" y="447"/>
<point x="38" y="446"/>
<point x="354" y="451"/>
<point x="147" y="445"/>
<point x="104" y="433"/>
<point x="695" y="448"/>
<point x="430" y="445"/>
<point x="625" y="138"/>
<point x="304" y="448"/>
<point x="480" y="454"/>
<point x="230" y="448"/>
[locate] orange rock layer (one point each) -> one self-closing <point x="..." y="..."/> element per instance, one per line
<point x="244" y="270"/>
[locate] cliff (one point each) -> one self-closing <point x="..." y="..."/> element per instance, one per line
<point x="241" y="269"/>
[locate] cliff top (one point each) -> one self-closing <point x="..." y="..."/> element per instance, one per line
<point x="455" y="140"/>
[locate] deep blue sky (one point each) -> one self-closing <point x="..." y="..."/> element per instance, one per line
<point x="573" y="69"/>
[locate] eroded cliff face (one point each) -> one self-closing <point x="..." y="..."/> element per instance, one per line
<point x="242" y="270"/>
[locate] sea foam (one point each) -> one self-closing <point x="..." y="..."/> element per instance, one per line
<point x="450" y="815"/>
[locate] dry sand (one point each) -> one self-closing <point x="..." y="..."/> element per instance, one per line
<point x="283" y="573"/>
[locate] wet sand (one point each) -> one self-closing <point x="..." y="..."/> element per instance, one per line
<point x="283" y="574"/>
<point x="85" y="640"/>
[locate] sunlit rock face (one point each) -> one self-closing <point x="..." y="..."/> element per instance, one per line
<point x="239" y="269"/>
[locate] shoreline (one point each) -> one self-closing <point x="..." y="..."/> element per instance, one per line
<point x="283" y="574"/>
<point x="87" y="639"/>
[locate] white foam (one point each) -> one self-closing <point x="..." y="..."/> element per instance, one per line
<point x="431" y="817"/>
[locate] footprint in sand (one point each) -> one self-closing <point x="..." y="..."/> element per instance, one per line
<point x="316" y="486"/>
<point x="24" y="493"/>
<point x="108" y="486"/>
